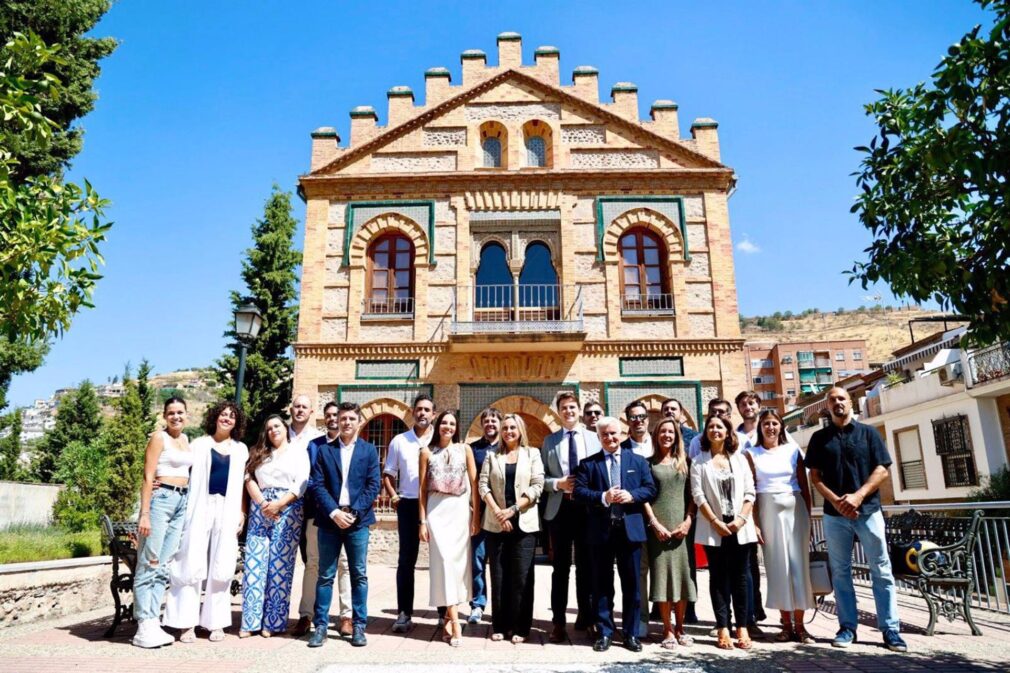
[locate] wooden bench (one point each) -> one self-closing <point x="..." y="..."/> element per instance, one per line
<point x="946" y="577"/>
<point x="121" y="537"/>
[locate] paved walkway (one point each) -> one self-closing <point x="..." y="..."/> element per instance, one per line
<point x="76" y="644"/>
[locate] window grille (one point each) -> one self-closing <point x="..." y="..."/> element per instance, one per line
<point x="953" y="445"/>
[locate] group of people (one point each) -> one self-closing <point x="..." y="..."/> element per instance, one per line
<point x="637" y="503"/>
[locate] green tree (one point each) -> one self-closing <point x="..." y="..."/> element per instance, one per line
<point x="270" y="275"/>
<point x="934" y="181"/>
<point x="148" y="396"/>
<point x="78" y="419"/>
<point x="84" y="470"/>
<point x="124" y="438"/>
<point x="17" y="358"/>
<point x="10" y="444"/>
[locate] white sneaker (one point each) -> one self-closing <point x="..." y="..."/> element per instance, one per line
<point x="159" y="634"/>
<point x="402" y="623"/>
<point x="475" y="616"/>
<point x="147" y="635"/>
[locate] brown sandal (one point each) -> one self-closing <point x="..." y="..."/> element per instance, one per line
<point x="724" y="642"/>
<point x="785" y="635"/>
<point x="803" y="638"/>
<point x="743" y="640"/>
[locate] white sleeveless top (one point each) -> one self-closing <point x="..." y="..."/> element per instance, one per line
<point x="775" y="470"/>
<point x="173" y="461"/>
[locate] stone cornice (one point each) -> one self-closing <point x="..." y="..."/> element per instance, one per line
<point x="653" y="139"/>
<point x="590" y="348"/>
<point x="610" y="181"/>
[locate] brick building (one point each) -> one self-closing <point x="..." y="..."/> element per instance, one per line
<point x="781" y="373"/>
<point x="512" y="237"/>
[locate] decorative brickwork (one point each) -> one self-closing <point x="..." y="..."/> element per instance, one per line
<point x="477" y="112"/>
<point x="584" y="135"/>
<point x="615" y="159"/>
<point x="414" y="163"/>
<point x="444" y="137"/>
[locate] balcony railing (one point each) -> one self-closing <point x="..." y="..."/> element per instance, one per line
<point x="387" y="308"/>
<point x="990" y="364"/>
<point x="517" y="309"/>
<point x="638" y="304"/>
<point x="818" y="363"/>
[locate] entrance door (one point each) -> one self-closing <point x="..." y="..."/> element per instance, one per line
<point x="380" y="431"/>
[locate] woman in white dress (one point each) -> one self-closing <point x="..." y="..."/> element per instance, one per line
<point x="449" y="515"/>
<point x="783" y="515"/>
<point x="215" y="516"/>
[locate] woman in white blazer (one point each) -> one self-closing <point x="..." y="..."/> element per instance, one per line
<point x="510" y="484"/>
<point x="215" y="516"/>
<point x="722" y="486"/>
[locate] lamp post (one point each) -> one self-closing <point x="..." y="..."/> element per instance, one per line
<point x="248" y="321"/>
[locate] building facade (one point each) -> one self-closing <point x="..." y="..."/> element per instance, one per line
<point x="512" y="237"/>
<point x="781" y="373"/>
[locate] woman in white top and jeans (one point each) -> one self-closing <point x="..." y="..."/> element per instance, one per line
<point x="162" y="510"/>
<point x="783" y="513"/>
<point x="276" y="477"/>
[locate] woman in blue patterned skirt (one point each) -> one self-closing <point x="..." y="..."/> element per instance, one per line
<point x="276" y="479"/>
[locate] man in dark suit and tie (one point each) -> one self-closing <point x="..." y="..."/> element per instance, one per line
<point x="615" y="484"/>
<point x="345" y="483"/>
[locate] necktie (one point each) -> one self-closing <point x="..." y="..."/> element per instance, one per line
<point x="573" y="453"/>
<point x="615" y="482"/>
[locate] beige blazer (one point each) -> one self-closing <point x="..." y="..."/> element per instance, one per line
<point x="529" y="482"/>
<point x="705" y="489"/>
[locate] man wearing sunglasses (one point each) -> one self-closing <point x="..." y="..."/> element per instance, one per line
<point x="591" y="413"/>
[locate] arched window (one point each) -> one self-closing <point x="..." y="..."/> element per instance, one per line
<point x="537" y="137"/>
<point x="379" y="431"/>
<point x="493" y="285"/>
<point x="539" y="293"/>
<point x="536" y="152"/>
<point x="493" y="145"/>
<point x="644" y="282"/>
<point x="390" y="288"/>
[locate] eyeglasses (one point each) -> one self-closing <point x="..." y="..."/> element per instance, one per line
<point x="638" y="417"/>
<point x="594" y="412"/>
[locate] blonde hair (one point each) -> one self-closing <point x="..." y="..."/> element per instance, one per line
<point x="679" y="455"/>
<point x="521" y="424"/>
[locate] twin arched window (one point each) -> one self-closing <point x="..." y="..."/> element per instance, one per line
<point x="390" y="282"/>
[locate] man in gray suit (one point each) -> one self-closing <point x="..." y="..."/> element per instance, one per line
<point x="566" y="519"/>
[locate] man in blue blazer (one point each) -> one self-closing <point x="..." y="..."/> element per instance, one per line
<point x="614" y="484"/>
<point x="345" y="483"/>
<point x="566" y="519"/>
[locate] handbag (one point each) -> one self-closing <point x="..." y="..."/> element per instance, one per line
<point x="820" y="573"/>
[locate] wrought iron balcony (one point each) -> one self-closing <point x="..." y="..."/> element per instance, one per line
<point x="517" y="309"/>
<point x="378" y="307"/>
<point x="638" y="304"/>
<point x="990" y="364"/>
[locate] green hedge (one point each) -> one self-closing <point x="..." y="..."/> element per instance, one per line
<point x="22" y="544"/>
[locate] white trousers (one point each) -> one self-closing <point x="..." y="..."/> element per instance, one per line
<point x="182" y="609"/>
<point x="306" y="607"/>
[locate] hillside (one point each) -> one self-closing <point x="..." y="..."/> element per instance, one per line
<point x="196" y="386"/>
<point x="885" y="329"/>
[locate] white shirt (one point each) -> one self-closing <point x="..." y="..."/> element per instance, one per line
<point x="644" y="449"/>
<point x="580" y="448"/>
<point x="346" y="451"/>
<point x="289" y="470"/>
<point x="615" y="456"/>
<point x="403" y="460"/>
<point x="301" y="440"/>
<point x="775" y="470"/>
<point x="694" y="450"/>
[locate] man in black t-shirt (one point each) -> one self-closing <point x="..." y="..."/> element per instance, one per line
<point x="848" y="462"/>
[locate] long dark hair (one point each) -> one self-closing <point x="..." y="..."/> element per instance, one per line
<point x="730" y="445"/>
<point x="210" y="420"/>
<point x="263" y="449"/>
<point x="782" y="426"/>
<point x="438" y="422"/>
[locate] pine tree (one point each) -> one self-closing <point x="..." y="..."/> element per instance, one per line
<point x="270" y="274"/>
<point x="78" y="419"/>
<point x="10" y="444"/>
<point x="148" y="396"/>
<point x="124" y="439"/>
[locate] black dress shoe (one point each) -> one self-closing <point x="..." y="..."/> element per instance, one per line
<point x="633" y="643"/>
<point x="318" y="638"/>
<point x="358" y="639"/>
<point x="603" y="644"/>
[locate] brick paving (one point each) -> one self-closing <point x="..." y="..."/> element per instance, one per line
<point x="76" y="644"/>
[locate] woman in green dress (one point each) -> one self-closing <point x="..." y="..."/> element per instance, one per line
<point x="669" y="518"/>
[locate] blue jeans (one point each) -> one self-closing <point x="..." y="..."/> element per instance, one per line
<point x="168" y="509"/>
<point x="355" y="540"/>
<point x="478" y="559"/>
<point x="841" y="534"/>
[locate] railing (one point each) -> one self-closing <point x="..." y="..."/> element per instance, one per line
<point x="637" y="303"/>
<point x="517" y="309"/>
<point x="824" y="378"/>
<point x="387" y="308"/>
<point x="990" y="364"/>
<point x="823" y="363"/>
<point x="991" y="555"/>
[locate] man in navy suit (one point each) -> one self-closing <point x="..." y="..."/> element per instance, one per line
<point x="615" y="484"/>
<point x="345" y="483"/>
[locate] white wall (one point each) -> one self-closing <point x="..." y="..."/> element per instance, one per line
<point x="27" y="503"/>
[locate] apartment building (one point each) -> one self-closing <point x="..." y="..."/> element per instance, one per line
<point x="782" y="373"/>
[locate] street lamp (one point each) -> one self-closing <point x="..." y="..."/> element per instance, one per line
<point x="248" y="321"/>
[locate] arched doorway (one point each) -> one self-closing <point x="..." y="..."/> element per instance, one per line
<point x="379" y="431"/>
<point x="540" y="419"/>
<point x="536" y="430"/>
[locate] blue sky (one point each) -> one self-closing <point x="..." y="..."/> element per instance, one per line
<point x="206" y="104"/>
